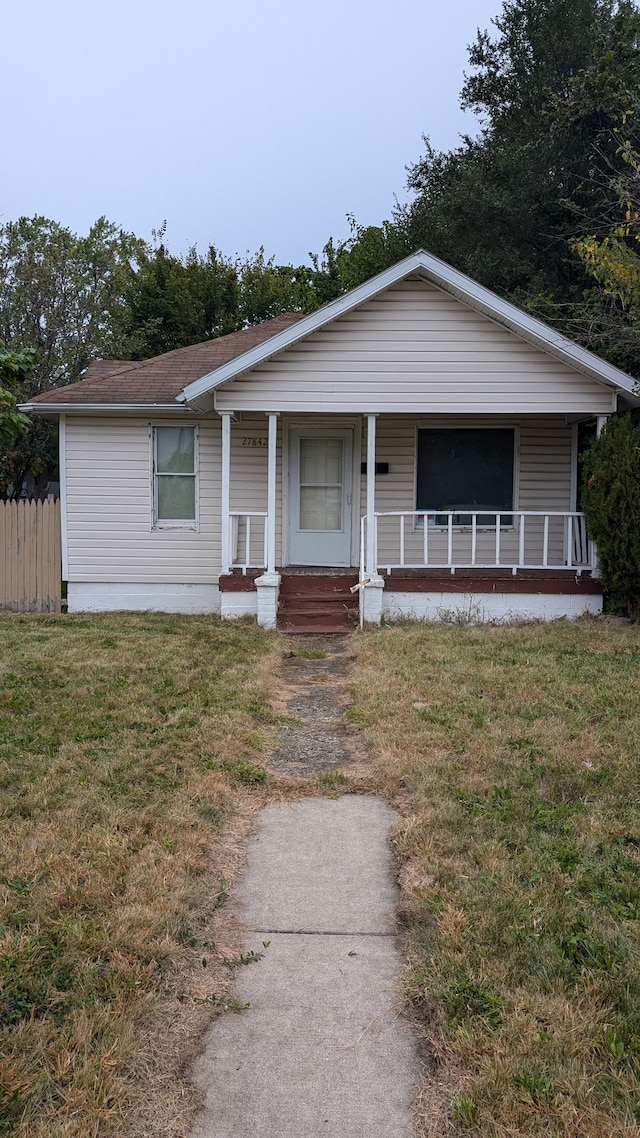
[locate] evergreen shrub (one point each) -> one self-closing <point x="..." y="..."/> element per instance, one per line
<point x="611" y="503"/>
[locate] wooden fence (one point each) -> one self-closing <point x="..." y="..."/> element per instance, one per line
<point x="30" y="557"/>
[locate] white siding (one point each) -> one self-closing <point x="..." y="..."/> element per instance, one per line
<point x="249" y="463"/>
<point x="110" y="532"/>
<point x="417" y="349"/>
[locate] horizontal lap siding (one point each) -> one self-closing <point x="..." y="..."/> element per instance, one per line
<point x="248" y="479"/>
<point x="543" y="480"/>
<point x="109" y="531"/>
<point x="415" y="348"/>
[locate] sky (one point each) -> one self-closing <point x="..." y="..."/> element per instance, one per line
<point x="242" y="124"/>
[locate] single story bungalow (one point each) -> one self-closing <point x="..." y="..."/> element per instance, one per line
<point x="412" y="448"/>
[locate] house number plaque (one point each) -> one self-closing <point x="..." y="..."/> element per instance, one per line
<point x="255" y="441"/>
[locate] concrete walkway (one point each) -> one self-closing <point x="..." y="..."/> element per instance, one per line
<point x="323" y="1048"/>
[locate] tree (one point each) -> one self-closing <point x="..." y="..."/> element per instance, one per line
<point x="60" y="295"/>
<point x="267" y="289"/>
<point x="549" y="89"/>
<point x="16" y="369"/>
<point x="611" y="503"/>
<point x="171" y="302"/>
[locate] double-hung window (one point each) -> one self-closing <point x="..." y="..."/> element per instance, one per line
<point x="174" y="476"/>
<point x="466" y="471"/>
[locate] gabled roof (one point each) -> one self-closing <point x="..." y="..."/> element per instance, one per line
<point x="185" y="379"/>
<point x="159" y="381"/>
<point x="474" y="295"/>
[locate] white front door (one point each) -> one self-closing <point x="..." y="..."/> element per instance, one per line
<point x="320" y="466"/>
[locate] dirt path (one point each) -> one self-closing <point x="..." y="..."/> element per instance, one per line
<point x="313" y="689"/>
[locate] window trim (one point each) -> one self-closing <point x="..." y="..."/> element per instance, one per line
<point x="431" y="426"/>
<point x="157" y="523"/>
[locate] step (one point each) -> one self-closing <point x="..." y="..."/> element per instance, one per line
<point x="315" y="586"/>
<point x="316" y="612"/>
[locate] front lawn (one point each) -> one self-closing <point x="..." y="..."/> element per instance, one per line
<point x="131" y="765"/>
<point x="130" y="752"/>
<point x="515" y="755"/>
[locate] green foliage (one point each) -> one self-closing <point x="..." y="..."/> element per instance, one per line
<point x="611" y="503"/>
<point x="170" y="302"/>
<point x="14" y="367"/>
<point x="549" y="87"/>
<point x="60" y="293"/>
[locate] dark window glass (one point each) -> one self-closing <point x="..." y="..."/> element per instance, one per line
<point x="466" y="471"/>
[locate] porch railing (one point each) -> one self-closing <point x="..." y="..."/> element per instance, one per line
<point x="248" y="540"/>
<point x="514" y="539"/>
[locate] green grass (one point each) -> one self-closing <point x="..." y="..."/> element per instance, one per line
<point x="128" y="747"/>
<point x="520" y="773"/>
<point x="133" y="757"/>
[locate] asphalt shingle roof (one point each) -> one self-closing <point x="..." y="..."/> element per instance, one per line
<point x="161" y="379"/>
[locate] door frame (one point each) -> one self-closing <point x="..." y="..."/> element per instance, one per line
<point x="319" y="424"/>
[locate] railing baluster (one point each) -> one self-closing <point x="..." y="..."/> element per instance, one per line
<point x="534" y="550"/>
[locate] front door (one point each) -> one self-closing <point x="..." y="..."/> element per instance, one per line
<point x="320" y="464"/>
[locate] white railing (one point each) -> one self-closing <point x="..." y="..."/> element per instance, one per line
<point x="485" y="539"/>
<point x="247" y="541"/>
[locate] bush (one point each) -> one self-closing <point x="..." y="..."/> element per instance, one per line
<point x="611" y="503"/>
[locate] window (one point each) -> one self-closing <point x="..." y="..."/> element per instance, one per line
<point x="174" y="476"/>
<point x="466" y="471"/>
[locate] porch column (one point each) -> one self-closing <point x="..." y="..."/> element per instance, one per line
<point x="601" y="423"/>
<point x="271" y="494"/>
<point x="371" y="591"/>
<point x="225" y="550"/>
<point x="268" y="584"/>
<point x="370" y="559"/>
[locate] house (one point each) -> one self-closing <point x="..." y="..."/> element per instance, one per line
<point x="415" y="441"/>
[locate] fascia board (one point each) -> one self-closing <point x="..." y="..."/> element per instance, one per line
<point x="87" y="408"/>
<point x="476" y="296"/>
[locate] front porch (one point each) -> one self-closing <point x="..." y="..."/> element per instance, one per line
<point x="324" y="485"/>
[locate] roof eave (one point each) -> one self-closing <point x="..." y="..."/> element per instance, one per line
<point x="87" y="408"/>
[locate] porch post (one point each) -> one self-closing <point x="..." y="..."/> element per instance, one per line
<point x="225" y="551"/>
<point x="370" y="562"/>
<point x="268" y="584"/>
<point x="271" y="494"/>
<point x="601" y="423"/>
<point x="371" y="591"/>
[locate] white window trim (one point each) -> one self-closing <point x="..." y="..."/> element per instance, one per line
<point x="177" y="523"/>
<point x="418" y="525"/>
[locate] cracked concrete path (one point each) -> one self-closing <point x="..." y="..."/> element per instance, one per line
<point x="323" y="1048"/>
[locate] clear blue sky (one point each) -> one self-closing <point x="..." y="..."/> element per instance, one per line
<point x="243" y="124"/>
